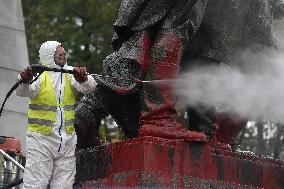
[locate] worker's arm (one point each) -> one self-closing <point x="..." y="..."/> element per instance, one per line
<point x="28" y="90"/>
<point x="82" y="82"/>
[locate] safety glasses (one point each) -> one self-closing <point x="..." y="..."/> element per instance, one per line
<point x="61" y="56"/>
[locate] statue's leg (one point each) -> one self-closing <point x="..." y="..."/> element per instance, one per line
<point x="159" y="117"/>
<point x="125" y="109"/>
<point x="89" y="112"/>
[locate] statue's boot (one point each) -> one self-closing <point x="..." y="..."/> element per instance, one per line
<point x="228" y="127"/>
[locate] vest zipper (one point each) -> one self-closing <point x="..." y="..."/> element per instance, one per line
<point x="61" y="113"/>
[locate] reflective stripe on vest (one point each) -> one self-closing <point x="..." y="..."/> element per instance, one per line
<point x="40" y="122"/>
<point x="50" y="108"/>
<point x="43" y="108"/>
<point x="48" y="122"/>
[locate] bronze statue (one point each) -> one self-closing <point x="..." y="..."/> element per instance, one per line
<point x="154" y="39"/>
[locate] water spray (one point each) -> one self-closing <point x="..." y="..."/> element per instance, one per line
<point x="156" y="81"/>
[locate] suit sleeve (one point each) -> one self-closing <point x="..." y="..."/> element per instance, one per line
<point x="28" y="90"/>
<point x="86" y="87"/>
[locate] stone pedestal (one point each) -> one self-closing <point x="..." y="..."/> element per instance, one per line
<point x="162" y="163"/>
<point x="13" y="58"/>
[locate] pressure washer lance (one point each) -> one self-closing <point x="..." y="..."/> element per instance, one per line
<point x="37" y="70"/>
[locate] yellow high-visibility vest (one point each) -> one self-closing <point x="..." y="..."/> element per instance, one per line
<point x="42" y="108"/>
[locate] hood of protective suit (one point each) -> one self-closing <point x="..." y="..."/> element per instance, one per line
<point x="46" y="53"/>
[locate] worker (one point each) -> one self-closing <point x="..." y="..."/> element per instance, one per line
<point x="51" y="138"/>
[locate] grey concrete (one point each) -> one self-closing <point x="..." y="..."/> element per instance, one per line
<point x="13" y="58"/>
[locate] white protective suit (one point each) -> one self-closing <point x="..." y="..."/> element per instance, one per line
<point x="50" y="159"/>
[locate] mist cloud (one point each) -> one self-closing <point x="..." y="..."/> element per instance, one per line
<point x="252" y="88"/>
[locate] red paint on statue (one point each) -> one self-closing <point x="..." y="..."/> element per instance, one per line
<point x="228" y="128"/>
<point x="168" y="67"/>
<point x="145" y="49"/>
<point x="160" y="60"/>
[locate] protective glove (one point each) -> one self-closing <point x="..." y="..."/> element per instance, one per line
<point x="80" y="74"/>
<point x="27" y="74"/>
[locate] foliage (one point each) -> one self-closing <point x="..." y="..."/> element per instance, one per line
<point x="85" y="28"/>
<point x="263" y="138"/>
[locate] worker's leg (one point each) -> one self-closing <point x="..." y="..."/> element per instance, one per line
<point x="64" y="167"/>
<point x="39" y="163"/>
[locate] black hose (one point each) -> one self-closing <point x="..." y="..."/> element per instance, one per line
<point x="21" y="81"/>
<point x="9" y="94"/>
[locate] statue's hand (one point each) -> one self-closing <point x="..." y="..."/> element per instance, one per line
<point x="119" y="85"/>
<point x="120" y="74"/>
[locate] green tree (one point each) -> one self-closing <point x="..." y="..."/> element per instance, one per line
<point x="264" y="138"/>
<point x="84" y="27"/>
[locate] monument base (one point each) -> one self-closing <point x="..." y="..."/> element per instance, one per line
<point x="163" y="163"/>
